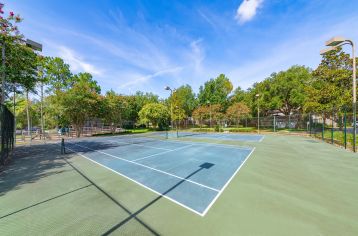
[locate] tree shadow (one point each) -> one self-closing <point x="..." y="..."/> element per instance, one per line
<point x="32" y="163"/>
<point x="29" y="164"/>
<point x="94" y="146"/>
<point x="203" y="166"/>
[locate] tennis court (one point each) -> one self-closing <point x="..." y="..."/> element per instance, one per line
<point x="190" y="174"/>
<point x="136" y="185"/>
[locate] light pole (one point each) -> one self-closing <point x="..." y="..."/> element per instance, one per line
<point x="208" y="102"/>
<point x="333" y="43"/>
<point x="258" y="113"/>
<point x="171" y="104"/>
<point x="36" y="47"/>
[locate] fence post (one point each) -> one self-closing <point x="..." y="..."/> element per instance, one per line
<point x="332" y="129"/>
<point x="345" y="129"/>
<point x="274" y="123"/>
<point x="310" y="123"/>
<point x="323" y="127"/>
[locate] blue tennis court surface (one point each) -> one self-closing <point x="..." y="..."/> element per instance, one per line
<point x="190" y="174"/>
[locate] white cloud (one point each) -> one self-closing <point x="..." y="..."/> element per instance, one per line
<point x="143" y="79"/>
<point x="76" y="62"/>
<point x="247" y="10"/>
<point x="197" y="55"/>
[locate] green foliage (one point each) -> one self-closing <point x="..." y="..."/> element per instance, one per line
<point x="113" y="106"/>
<point x="80" y="102"/>
<point x="87" y="78"/>
<point x="136" y="102"/>
<point x="331" y="86"/>
<point x="20" y="111"/>
<point x="237" y="111"/>
<point x="57" y="74"/>
<point x="20" y="66"/>
<point x="184" y="98"/>
<point x="154" y="113"/>
<point x="178" y="113"/>
<point x="239" y="95"/>
<point x="283" y="91"/>
<point x="216" y="91"/>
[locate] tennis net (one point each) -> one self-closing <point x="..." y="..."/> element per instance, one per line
<point x="148" y="137"/>
<point x="190" y="133"/>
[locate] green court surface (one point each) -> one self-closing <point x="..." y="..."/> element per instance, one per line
<point x="290" y="185"/>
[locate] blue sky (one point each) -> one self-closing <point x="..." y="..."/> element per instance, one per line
<point x="146" y="45"/>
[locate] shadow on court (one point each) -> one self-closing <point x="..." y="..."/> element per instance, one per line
<point x="134" y="215"/>
<point x="30" y="164"/>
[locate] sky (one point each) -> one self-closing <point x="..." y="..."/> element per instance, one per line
<point x="146" y="45"/>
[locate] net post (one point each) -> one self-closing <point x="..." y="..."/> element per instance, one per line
<point x="63" y="150"/>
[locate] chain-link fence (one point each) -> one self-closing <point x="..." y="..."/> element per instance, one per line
<point x="335" y="127"/>
<point x="6" y="134"/>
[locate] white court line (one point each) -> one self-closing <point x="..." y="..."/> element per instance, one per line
<point x="261" y="139"/>
<point x="135" y="144"/>
<point x="227" y="183"/>
<point x="148" y="167"/>
<point x="171" y="150"/>
<point x="150" y="189"/>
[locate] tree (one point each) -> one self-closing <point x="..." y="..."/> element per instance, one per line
<point x="58" y="74"/>
<point x="87" y="78"/>
<point x="184" y="98"/>
<point x="237" y="111"/>
<point x="201" y="113"/>
<point x="138" y="101"/>
<point x="215" y="91"/>
<point x="208" y="112"/>
<point x="239" y="95"/>
<point x="19" y="70"/>
<point x="113" y="106"/>
<point x="216" y="112"/>
<point x="283" y="91"/>
<point x="81" y="102"/>
<point x="154" y="113"/>
<point x="331" y="86"/>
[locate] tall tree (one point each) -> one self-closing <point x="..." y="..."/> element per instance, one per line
<point x="331" y="86"/>
<point x="81" y="102"/>
<point x="283" y="91"/>
<point x="18" y="67"/>
<point x="215" y="91"/>
<point x="58" y="74"/>
<point x="239" y="95"/>
<point x="113" y="107"/>
<point x="183" y="98"/>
